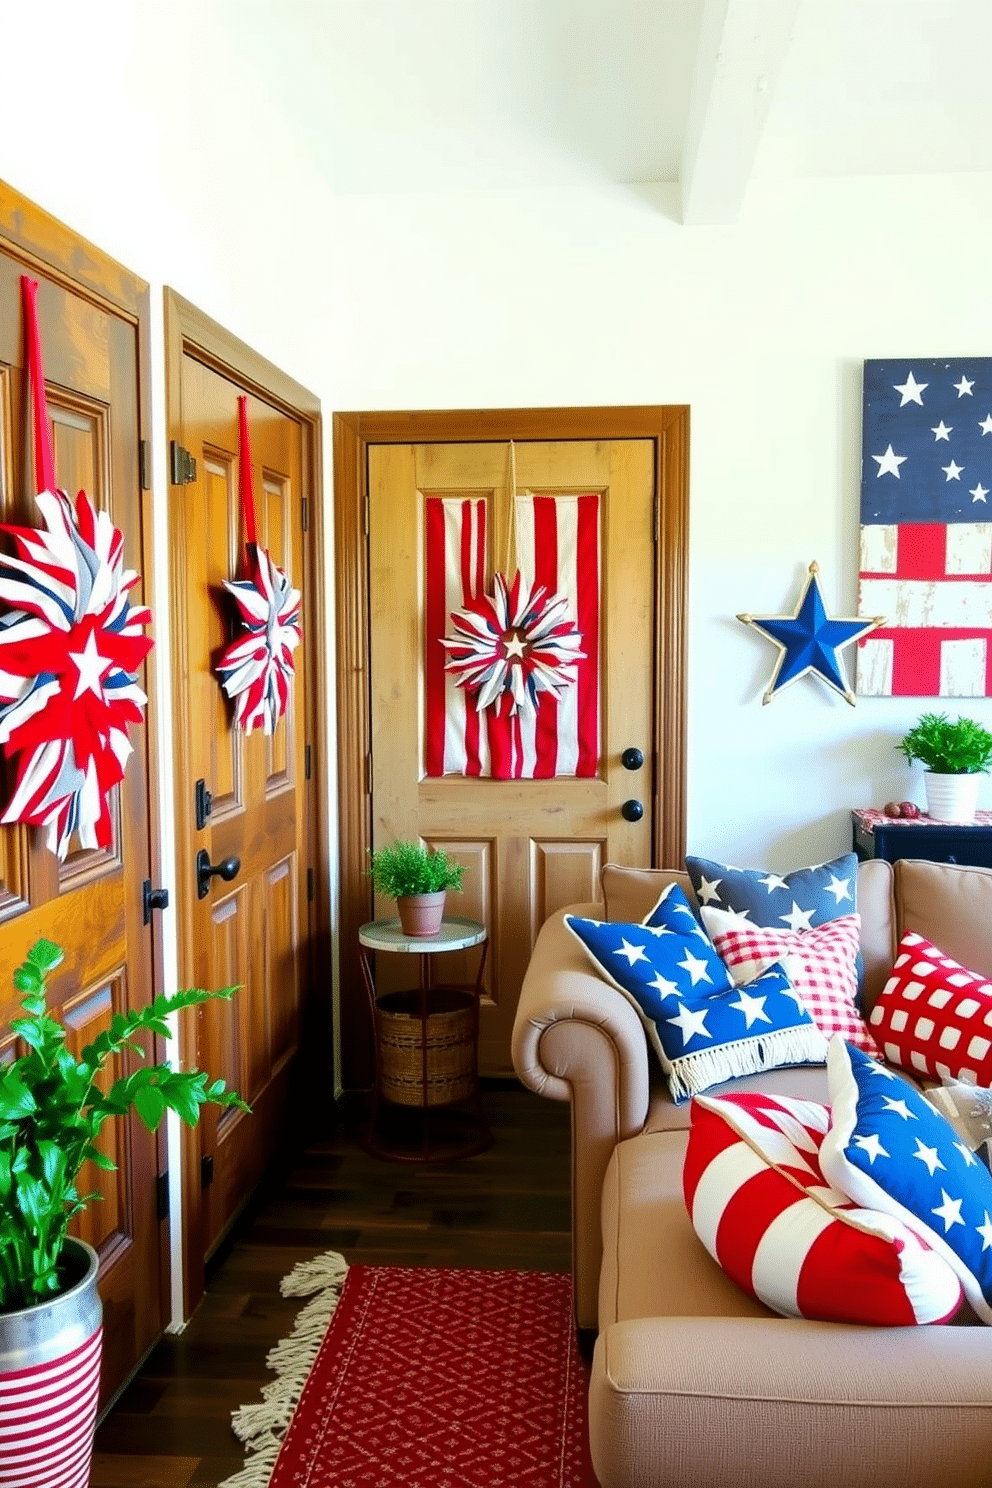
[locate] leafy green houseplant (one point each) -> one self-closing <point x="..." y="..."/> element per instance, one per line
<point x="948" y="746"/>
<point x="953" y="752"/>
<point x="52" y="1108"/>
<point x="407" y="871"/>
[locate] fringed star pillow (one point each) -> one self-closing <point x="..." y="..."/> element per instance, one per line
<point x="703" y="1027"/>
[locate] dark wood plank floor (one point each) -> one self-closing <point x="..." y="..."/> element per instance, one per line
<point x="507" y="1208"/>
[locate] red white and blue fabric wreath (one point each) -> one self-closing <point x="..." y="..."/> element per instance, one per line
<point x="512" y="645"/>
<point x="71" y="647"/>
<point x="257" y="668"/>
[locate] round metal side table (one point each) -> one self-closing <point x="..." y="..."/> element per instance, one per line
<point x="426" y="1042"/>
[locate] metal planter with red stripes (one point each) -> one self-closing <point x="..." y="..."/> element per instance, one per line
<point x="50" y="1382"/>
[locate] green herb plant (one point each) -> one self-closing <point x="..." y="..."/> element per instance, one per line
<point x="406" y="868"/>
<point x="51" y="1112"/>
<point x="948" y="747"/>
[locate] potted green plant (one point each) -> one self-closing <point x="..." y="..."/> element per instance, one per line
<point x="953" y="752"/>
<point x="418" y="878"/>
<point x="52" y="1108"/>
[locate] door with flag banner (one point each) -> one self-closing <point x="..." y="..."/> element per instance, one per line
<point x="511" y="620"/>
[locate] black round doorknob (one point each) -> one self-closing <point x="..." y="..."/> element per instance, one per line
<point x="632" y="759"/>
<point x="205" y="871"/>
<point x="631" y="811"/>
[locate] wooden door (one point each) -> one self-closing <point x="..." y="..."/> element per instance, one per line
<point x="90" y="904"/>
<point x="250" y="929"/>
<point x="530" y="845"/>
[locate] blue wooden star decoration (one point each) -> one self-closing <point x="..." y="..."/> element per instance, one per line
<point x="811" y="641"/>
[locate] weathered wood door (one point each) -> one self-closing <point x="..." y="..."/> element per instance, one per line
<point x="250" y="928"/>
<point x="530" y="845"/>
<point x="91" y="904"/>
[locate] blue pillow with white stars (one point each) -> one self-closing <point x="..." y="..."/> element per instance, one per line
<point x="798" y="901"/>
<point x="888" y="1148"/>
<point x="703" y="1028"/>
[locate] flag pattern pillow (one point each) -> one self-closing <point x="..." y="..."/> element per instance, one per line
<point x="933" y="1016"/>
<point x="796" y="901"/>
<point x="822" y="966"/>
<point x="889" y="1149"/>
<point x="704" y="1028"/>
<point x="760" y="1204"/>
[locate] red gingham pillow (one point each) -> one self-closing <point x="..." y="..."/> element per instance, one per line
<point x="821" y="964"/>
<point x="933" y="1016"/>
<point x="760" y="1204"/>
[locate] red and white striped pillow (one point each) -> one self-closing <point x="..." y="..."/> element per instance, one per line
<point x="760" y="1204"/>
<point x="821" y="964"/>
<point x="933" y="1016"/>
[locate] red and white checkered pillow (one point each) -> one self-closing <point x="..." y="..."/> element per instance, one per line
<point x="821" y="964"/>
<point x="760" y="1204"/>
<point x="933" y="1016"/>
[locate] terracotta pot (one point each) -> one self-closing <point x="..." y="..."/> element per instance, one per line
<point x="951" y="798"/>
<point x="421" y="914"/>
<point x="50" y="1381"/>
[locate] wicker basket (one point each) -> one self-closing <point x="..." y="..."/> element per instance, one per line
<point x="450" y="1048"/>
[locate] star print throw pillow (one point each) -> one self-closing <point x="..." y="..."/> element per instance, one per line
<point x="889" y="1149"/>
<point x="703" y="1027"/>
<point x="822" y="966"/>
<point x="791" y="901"/>
<point x="760" y="1204"/>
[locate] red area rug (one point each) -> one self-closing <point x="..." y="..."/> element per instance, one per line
<point x="422" y="1378"/>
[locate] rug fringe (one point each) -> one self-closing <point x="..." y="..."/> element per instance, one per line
<point x="262" y="1427"/>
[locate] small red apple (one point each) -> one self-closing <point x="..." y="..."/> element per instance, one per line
<point x="892" y="808"/>
<point x="909" y="809"/>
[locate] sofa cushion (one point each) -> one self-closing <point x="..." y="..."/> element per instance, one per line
<point x="797" y="900"/>
<point x="762" y="1207"/>
<point x="702" y="1026"/>
<point x="822" y="965"/>
<point x="888" y="1148"/>
<point x="933" y="1016"/>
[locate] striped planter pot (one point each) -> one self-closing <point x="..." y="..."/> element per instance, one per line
<point x="50" y="1382"/>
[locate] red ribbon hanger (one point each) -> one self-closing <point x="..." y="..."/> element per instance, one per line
<point x="44" y="457"/>
<point x="245" y="477"/>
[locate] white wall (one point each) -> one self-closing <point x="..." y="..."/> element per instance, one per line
<point x="160" y="137"/>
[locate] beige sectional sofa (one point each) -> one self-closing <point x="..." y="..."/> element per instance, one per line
<point x="694" y="1383"/>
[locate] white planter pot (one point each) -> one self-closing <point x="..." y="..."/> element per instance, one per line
<point x="951" y="798"/>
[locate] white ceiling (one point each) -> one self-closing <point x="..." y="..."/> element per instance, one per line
<point x="441" y="95"/>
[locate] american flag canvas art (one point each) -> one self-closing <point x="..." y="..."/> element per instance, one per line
<point x="926" y="528"/>
<point x="557" y="544"/>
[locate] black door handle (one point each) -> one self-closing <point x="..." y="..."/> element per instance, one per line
<point x="631" y="811"/>
<point x="205" y="871"/>
<point x="632" y="759"/>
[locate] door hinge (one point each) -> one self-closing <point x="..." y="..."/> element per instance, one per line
<point x="310" y="886"/>
<point x="206" y="1170"/>
<point x="365" y="513"/>
<point x="144" y="474"/>
<point x="305" y="512"/>
<point x="306" y="761"/>
<point x="204" y="804"/>
<point x="181" y="464"/>
<point x="162" y="1195"/>
<point x="152" y="899"/>
<point x="657" y="519"/>
<point x="368" y="773"/>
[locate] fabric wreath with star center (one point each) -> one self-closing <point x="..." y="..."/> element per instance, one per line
<point x="71" y="647"/>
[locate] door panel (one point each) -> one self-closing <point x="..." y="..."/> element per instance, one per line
<point x="248" y="931"/>
<point x="90" y="905"/>
<point x="530" y="845"/>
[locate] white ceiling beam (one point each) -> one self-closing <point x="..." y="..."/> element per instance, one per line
<point x="742" y="46"/>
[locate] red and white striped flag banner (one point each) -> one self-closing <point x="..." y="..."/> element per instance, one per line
<point x="519" y="697"/>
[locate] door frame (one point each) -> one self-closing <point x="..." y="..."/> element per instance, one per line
<point x="668" y="428"/>
<point x="48" y="247"/>
<point x="188" y="331"/>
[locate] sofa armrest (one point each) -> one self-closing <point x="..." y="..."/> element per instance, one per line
<point x="575" y="1038"/>
<point x="732" y="1402"/>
